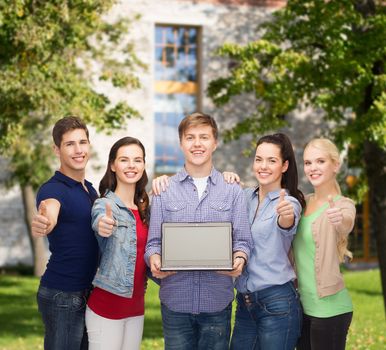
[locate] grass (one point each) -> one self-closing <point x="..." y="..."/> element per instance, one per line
<point x="21" y="327"/>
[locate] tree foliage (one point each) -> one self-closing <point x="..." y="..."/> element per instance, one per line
<point x="329" y="55"/>
<point x="325" y="54"/>
<point x="51" y="54"/>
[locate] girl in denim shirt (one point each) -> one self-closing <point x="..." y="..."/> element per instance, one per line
<point x="268" y="314"/>
<point x="115" y="311"/>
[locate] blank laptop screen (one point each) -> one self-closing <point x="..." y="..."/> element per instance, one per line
<point x="197" y="246"/>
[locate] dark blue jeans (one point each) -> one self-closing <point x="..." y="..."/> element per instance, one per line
<point x="63" y="317"/>
<point x="269" y="319"/>
<point x="203" y="331"/>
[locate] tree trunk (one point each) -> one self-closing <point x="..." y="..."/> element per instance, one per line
<point x="375" y="159"/>
<point x="38" y="246"/>
<point x="375" y="162"/>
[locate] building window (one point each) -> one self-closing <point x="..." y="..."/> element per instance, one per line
<point x="176" y="90"/>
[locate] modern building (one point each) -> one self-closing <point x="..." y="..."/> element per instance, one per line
<point x="177" y="40"/>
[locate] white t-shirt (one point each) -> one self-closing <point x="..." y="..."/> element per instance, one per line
<point x="200" y="183"/>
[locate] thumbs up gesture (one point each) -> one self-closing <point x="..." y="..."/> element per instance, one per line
<point x="106" y="222"/>
<point x="285" y="210"/>
<point x="334" y="214"/>
<point x="40" y="222"/>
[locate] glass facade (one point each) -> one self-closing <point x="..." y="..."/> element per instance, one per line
<point x="176" y="91"/>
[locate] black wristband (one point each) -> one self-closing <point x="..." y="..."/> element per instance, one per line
<point x="241" y="257"/>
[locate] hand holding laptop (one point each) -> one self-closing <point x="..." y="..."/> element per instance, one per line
<point x="155" y="267"/>
<point x="239" y="262"/>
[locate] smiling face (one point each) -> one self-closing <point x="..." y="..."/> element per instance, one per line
<point x="319" y="167"/>
<point x="268" y="166"/>
<point x="198" y="144"/>
<point x="73" y="153"/>
<point x="128" y="165"/>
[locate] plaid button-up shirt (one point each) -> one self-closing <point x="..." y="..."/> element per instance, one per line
<point x="199" y="291"/>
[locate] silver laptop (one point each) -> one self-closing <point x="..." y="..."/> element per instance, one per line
<point x="196" y="246"/>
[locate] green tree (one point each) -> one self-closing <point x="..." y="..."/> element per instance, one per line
<point x="51" y="53"/>
<point x="329" y="55"/>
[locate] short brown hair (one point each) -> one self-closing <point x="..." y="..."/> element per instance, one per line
<point x="196" y="119"/>
<point x="66" y="124"/>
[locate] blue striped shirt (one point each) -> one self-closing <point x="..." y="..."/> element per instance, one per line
<point x="269" y="264"/>
<point x="198" y="291"/>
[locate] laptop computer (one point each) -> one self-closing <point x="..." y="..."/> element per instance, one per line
<point x="196" y="246"/>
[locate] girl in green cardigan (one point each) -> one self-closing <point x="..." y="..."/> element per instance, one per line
<point x="320" y="245"/>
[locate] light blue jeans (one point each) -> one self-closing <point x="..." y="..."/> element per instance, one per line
<point x="269" y="319"/>
<point x="63" y="315"/>
<point x="203" y="331"/>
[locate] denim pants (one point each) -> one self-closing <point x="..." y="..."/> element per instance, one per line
<point x="269" y="319"/>
<point x="203" y="331"/>
<point x="63" y="315"/>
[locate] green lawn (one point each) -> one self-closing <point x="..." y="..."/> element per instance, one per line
<point x="21" y="329"/>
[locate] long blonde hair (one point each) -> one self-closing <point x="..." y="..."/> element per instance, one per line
<point x="332" y="151"/>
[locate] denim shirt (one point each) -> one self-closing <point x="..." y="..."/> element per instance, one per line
<point x="118" y="252"/>
<point x="268" y="264"/>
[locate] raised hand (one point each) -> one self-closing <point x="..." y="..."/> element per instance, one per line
<point x="285" y="211"/>
<point x="160" y="184"/>
<point x="282" y="196"/>
<point x="334" y="214"/>
<point x="42" y="210"/>
<point x="40" y="222"/>
<point x="106" y="223"/>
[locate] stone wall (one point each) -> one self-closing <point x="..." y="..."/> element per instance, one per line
<point x="15" y="247"/>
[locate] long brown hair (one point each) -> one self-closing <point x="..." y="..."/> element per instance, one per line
<point x="289" y="179"/>
<point x="109" y="179"/>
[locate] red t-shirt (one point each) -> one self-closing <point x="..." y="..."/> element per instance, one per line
<point x="114" y="306"/>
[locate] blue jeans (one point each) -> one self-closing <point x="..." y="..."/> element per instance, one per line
<point x="269" y="319"/>
<point x="63" y="315"/>
<point x="203" y="331"/>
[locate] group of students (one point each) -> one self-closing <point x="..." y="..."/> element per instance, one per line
<point x="284" y="245"/>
